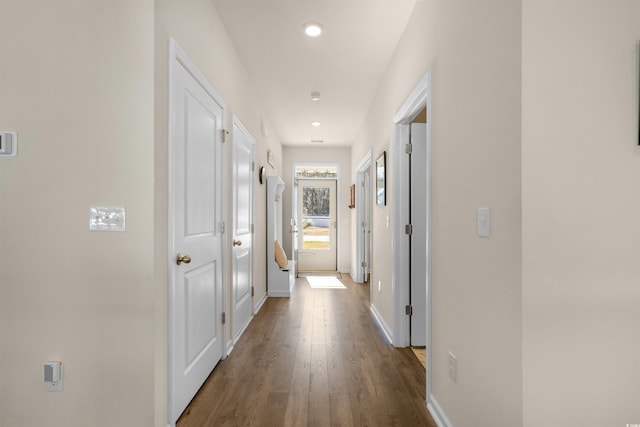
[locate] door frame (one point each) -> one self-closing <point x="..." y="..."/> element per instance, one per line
<point x="419" y="98"/>
<point x="178" y="58"/>
<point x="361" y="208"/>
<point x="294" y="203"/>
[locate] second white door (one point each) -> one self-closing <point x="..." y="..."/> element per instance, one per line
<point x="242" y="250"/>
<point x="419" y="235"/>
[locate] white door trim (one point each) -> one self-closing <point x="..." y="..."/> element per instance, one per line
<point x="178" y="56"/>
<point x="417" y="100"/>
<point x="364" y="164"/>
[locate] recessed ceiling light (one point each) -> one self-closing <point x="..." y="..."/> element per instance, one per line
<point x="316" y="141"/>
<point x="315" y="123"/>
<point x="313" y="29"/>
<point x="315" y="96"/>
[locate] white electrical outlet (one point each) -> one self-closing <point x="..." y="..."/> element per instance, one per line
<point x="483" y="222"/>
<point x="52" y="376"/>
<point x="453" y="367"/>
<point x="8" y="144"/>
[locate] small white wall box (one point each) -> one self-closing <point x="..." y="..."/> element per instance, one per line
<point x="8" y="144"/>
<point x="53" y="376"/>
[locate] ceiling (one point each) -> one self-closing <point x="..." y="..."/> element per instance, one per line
<point x="345" y="64"/>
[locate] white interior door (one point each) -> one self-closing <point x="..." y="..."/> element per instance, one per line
<point x="317" y="224"/>
<point x="366" y="226"/>
<point x="419" y="234"/>
<point x="242" y="252"/>
<point x="196" y="339"/>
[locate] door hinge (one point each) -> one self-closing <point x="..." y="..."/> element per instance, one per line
<point x="363" y="264"/>
<point x="224" y="318"/>
<point x="408" y="229"/>
<point x="253" y="166"/>
<point x="253" y="228"/>
<point x="408" y="310"/>
<point x="224" y="135"/>
<point x="253" y="291"/>
<point x="408" y="148"/>
<point x="221" y="227"/>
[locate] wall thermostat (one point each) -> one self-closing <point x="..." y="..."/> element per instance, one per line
<point x="8" y="144"/>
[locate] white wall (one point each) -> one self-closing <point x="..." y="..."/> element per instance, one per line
<point x="196" y="26"/>
<point x="339" y="155"/>
<point x="473" y="50"/>
<point x="581" y="171"/>
<point x="76" y="83"/>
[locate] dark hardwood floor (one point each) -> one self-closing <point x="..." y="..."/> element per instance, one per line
<point x="315" y="359"/>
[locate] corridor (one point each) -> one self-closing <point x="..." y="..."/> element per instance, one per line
<point x="315" y="359"/>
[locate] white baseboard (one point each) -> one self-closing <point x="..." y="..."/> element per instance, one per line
<point x="279" y="294"/>
<point x="344" y="270"/>
<point x="383" y="325"/>
<point x="241" y="331"/>
<point x="229" y="348"/>
<point x="436" y="411"/>
<point x="259" y="305"/>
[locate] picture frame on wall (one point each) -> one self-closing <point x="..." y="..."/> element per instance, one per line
<point x="381" y="179"/>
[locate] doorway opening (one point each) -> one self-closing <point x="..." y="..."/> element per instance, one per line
<point x="315" y="217"/>
<point x="362" y="268"/>
<point x="403" y="226"/>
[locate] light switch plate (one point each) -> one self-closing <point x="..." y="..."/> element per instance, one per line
<point x="106" y="218"/>
<point x="453" y="366"/>
<point x="483" y="222"/>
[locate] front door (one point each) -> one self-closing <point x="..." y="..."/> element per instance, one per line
<point x="196" y="233"/>
<point x="242" y="252"/>
<point x="317" y="225"/>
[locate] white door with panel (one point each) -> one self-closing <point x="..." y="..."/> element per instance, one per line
<point x="366" y="226"/>
<point x="419" y="234"/>
<point x="242" y="251"/>
<point x="317" y="243"/>
<point x="196" y="237"/>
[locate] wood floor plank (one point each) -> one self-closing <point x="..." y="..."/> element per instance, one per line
<point x="340" y="406"/>
<point x="318" y="382"/>
<point x="274" y="410"/>
<point x="315" y="359"/>
<point x="298" y="403"/>
<point x="319" y="409"/>
<point x="336" y="375"/>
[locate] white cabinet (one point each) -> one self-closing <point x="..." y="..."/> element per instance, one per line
<point x="279" y="281"/>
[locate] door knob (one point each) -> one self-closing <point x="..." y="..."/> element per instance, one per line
<point x="183" y="258"/>
<point x="237" y="243"/>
